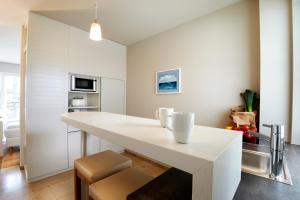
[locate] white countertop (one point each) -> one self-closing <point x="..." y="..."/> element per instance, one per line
<point x="213" y="155"/>
<point x="206" y="142"/>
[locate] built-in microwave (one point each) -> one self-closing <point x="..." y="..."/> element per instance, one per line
<point x="83" y="83"/>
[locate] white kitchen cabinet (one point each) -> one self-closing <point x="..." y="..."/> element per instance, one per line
<point x="113" y="101"/>
<point x="55" y="49"/>
<point x="93" y="104"/>
<point x="74" y="147"/>
<point x="93" y="144"/>
<point x="106" y="145"/>
<point x="105" y="58"/>
<point x="112" y="95"/>
<point x="45" y="98"/>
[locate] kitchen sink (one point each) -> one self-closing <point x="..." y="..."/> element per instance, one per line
<point x="256" y="160"/>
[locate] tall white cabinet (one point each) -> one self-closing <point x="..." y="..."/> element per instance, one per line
<point x="45" y="98"/>
<point x="53" y="50"/>
<point x="112" y="100"/>
<point x="113" y="95"/>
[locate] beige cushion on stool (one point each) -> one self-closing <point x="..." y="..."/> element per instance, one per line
<point x="101" y="165"/>
<point x="118" y="186"/>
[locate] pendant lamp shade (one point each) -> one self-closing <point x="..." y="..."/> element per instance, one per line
<point x="95" y="31"/>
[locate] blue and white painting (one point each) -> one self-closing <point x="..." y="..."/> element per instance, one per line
<point x="168" y="82"/>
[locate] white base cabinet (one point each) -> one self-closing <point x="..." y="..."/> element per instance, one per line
<point x="74" y="147"/>
<point x="106" y="145"/>
<point x="93" y="144"/>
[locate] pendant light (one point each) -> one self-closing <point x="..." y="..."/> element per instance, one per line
<point x="95" y="31"/>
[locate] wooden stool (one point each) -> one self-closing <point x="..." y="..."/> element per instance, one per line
<point x="118" y="186"/>
<point x="91" y="169"/>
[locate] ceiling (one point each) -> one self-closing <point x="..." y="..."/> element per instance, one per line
<point x="14" y="12"/>
<point x="123" y="21"/>
<point x="129" y="21"/>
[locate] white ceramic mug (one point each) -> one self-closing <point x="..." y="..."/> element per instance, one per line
<point x="182" y="126"/>
<point x="164" y="115"/>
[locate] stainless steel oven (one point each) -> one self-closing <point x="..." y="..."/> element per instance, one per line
<point x="83" y="83"/>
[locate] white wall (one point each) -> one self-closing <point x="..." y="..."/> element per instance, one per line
<point x="275" y="64"/>
<point x="219" y="57"/>
<point x="9" y="67"/>
<point x="10" y="44"/>
<point x="54" y="49"/>
<point x="296" y="73"/>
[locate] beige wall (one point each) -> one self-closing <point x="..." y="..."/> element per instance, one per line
<point x="219" y="57"/>
<point x="296" y="73"/>
<point x="275" y="64"/>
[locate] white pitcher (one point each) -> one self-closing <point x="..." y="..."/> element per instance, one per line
<point x="164" y="115"/>
<point x="182" y="126"/>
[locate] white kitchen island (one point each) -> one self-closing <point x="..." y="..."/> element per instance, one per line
<point x="213" y="156"/>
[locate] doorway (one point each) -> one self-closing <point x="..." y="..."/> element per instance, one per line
<point x="9" y="115"/>
<point x="10" y="137"/>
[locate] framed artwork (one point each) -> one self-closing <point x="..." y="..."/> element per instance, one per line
<point x="168" y="82"/>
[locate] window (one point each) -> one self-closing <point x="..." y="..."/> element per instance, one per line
<point x="10" y="96"/>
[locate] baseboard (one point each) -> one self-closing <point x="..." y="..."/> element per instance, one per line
<point x="48" y="175"/>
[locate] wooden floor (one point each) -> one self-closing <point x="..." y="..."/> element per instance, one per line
<point x="10" y="159"/>
<point x="60" y="187"/>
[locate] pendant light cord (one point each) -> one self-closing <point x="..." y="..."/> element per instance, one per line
<point x="96" y="10"/>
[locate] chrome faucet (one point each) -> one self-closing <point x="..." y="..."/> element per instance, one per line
<point x="276" y="140"/>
